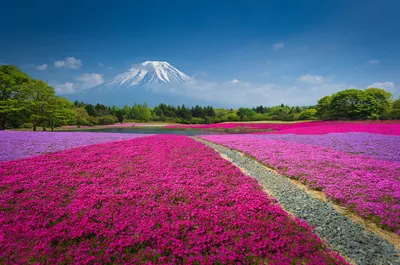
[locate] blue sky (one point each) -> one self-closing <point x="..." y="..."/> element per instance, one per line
<point x="281" y="51"/>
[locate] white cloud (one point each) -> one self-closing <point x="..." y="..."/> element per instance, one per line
<point x="384" y="85"/>
<point x="312" y="79"/>
<point x="70" y="62"/>
<point x="374" y="62"/>
<point x="65" y="88"/>
<point x="100" y="64"/>
<point x="248" y="94"/>
<point x="84" y="81"/>
<point x="388" y="86"/>
<point x="90" y="80"/>
<point x="278" y="46"/>
<point x="41" y="67"/>
<point x="235" y="81"/>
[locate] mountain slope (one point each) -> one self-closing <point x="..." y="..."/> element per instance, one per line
<point x="135" y="86"/>
<point x="149" y="72"/>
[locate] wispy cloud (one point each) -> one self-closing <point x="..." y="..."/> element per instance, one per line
<point x="249" y="94"/>
<point x="312" y="79"/>
<point x="70" y="62"/>
<point x="100" y="64"/>
<point x="384" y="85"/>
<point x="278" y="46"/>
<point x="235" y="81"/>
<point x="388" y="86"/>
<point x="83" y="82"/>
<point x="65" y="88"/>
<point x="41" y="67"/>
<point x="90" y="80"/>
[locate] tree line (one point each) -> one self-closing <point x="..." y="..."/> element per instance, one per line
<point x="29" y="103"/>
<point x="357" y="104"/>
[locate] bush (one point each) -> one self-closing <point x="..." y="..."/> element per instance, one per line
<point x="309" y="114"/>
<point x="109" y="119"/>
<point x="27" y="125"/>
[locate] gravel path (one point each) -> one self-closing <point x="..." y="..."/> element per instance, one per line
<point x="347" y="237"/>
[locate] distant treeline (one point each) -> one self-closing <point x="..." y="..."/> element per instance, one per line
<point x="29" y="103"/>
<point x="100" y="114"/>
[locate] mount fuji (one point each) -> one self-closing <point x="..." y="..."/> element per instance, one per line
<point x="149" y="72"/>
<point x="134" y="86"/>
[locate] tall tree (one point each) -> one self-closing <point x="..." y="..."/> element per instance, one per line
<point x="59" y="112"/>
<point x="323" y="108"/>
<point x="41" y="95"/>
<point x="14" y="91"/>
<point x="383" y="98"/>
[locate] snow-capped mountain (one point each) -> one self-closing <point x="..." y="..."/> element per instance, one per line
<point x="141" y="83"/>
<point x="149" y="72"/>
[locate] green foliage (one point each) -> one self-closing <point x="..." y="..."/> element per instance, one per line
<point x="25" y="100"/>
<point x="323" y="108"/>
<point x="394" y="112"/>
<point x="81" y="116"/>
<point x="246" y="114"/>
<point x="355" y="104"/>
<point x="120" y="115"/>
<point x="309" y="114"/>
<point x="28" y="102"/>
<point x="13" y="93"/>
<point x="108" y="119"/>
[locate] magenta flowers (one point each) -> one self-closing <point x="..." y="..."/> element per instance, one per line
<point x="316" y="127"/>
<point x="158" y="199"/>
<point x="366" y="185"/>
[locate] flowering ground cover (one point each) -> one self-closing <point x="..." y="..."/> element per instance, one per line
<point x="378" y="146"/>
<point x="315" y="127"/>
<point x="160" y="199"/>
<point x="16" y="145"/>
<point x="365" y="185"/>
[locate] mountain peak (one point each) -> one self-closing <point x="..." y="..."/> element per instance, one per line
<point x="149" y="72"/>
<point x="155" y="63"/>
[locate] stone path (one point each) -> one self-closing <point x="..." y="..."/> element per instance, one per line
<point x="341" y="233"/>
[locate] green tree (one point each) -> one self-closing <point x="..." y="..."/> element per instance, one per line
<point x="383" y="98"/>
<point x="81" y="116"/>
<point x="90" y="110"/>
<point x="309" y="114"/>
<point x="120" y="115"/>
<point x="59" y="112"/>
<point x="40" y="97"/>
<point x="141" y="112"/>
<point x="395" y="110"/>
<point x="323" y="108"/>
<point x="353" y="104"/>
<point x="14" y="91"/>
<point x="245" y="114"/>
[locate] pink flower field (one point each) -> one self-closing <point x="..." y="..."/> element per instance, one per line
<point x="153" y="200"/>
<point x="367" y="183"/>
<point x="314" y="127"/>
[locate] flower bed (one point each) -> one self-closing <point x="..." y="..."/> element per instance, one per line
<point x="316" y="127"/>
<point x="17" y="145"/>
<point x="378" y="146"/>
<point x="368" y="186"/>
<point x="160" y="199"/>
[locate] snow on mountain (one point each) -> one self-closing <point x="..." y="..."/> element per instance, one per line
<point x="149" y="72"/>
